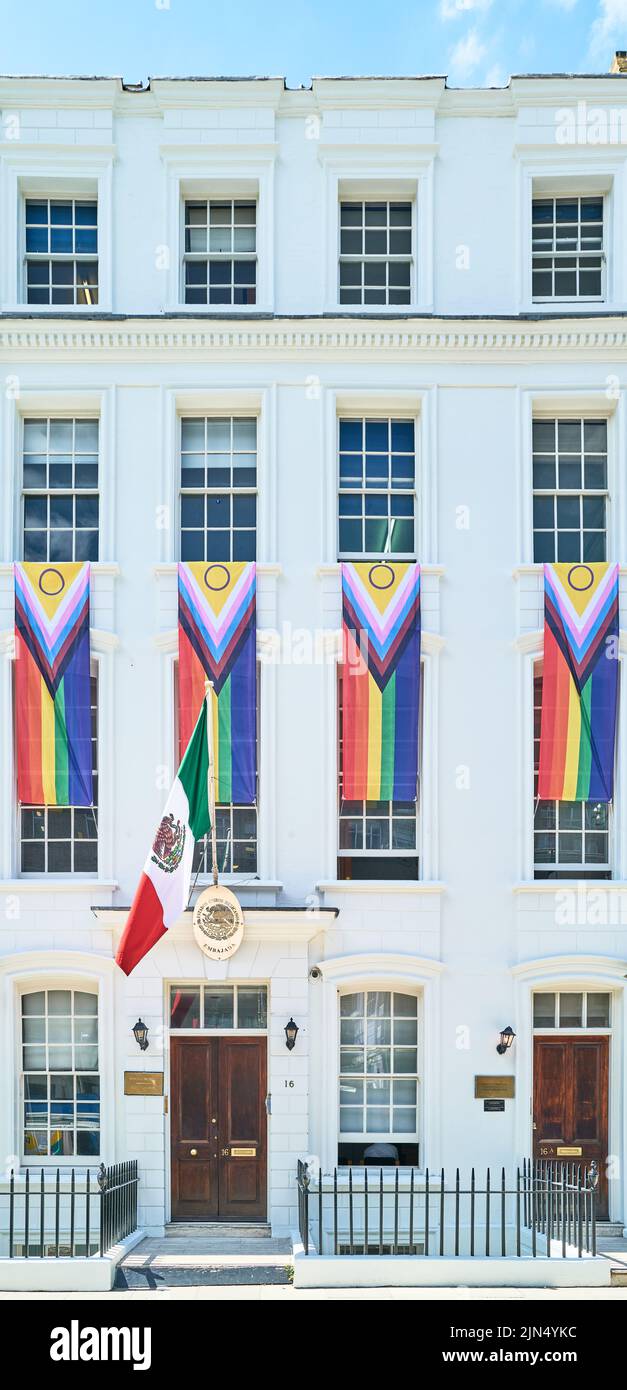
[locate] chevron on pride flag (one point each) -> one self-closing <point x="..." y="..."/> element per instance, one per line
<point x="579" y="683"/>
<point x="218" y="642"/>
<point x="380" y="681"/>
<point x="52" y="687"/>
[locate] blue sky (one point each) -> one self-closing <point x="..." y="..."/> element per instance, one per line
<point x="475" y="42"/>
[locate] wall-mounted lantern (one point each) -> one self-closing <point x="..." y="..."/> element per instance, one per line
<point x="507" y="1038"/>
<point x="291" y="1033"/>
<point x="141" y="1034"/>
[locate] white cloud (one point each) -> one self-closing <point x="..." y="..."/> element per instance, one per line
<point x="467" y="54"/>
<point x="609" y="30"/>
<point x="495" y="77"/>
<point x="452" y="9"/>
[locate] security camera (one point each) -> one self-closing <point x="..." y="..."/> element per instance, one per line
<point x="315" y="973"/>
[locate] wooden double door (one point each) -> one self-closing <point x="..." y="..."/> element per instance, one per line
<point x="218" y="1128"/>
<point x="570" y="1104"/>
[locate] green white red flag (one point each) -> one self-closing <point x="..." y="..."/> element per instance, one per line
<point x="163" y="890"/>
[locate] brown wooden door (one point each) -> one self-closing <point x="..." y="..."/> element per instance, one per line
<point x="218" y="1090"/>
<point x="243" y="1160"/>
<point x="570" y="1104"/>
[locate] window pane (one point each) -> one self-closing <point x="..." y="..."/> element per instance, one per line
<point x="570" y="1010"/>
<point x="184" y="1008"/>
<point x="598" y="1010"/>
<point x="252" y="1009"/>
<point x="34" y="1003"/>
<point x="544" y="1011"/>
<point x="218" y="1006"/>
<point x="352" y="1030"/>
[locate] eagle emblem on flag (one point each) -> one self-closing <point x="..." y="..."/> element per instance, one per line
<point x="168" y="845"/>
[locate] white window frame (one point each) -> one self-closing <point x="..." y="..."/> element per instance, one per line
<point x="560" y="1029"/>
<point x="28" y="972"/>
<point x="420" y="405"/>
<point x="550" y="404"/>
<point x="220" y="173"/>
<point x="85" y="172"/>
<point x="381" y="173"/>
<point x="205" y="491"/>
<point x="388" y="258"/>
<point x="103" y="646"/>
<point x="224" y="257"/>
<point x="383" y="854"/>
<point x="366" y="415"/>
<point x="27" y="413"/>
<point x="427" y="838"/>
<point x="557" y="492"/>
<point x="380" y="971"/>
<point x="62" y="1160"/>
<point x="220" y="403"/>
<point x="552" y="259"/>
<point x="566" y="872"/>
<point x="578" y="172"/>
<point x="530" y="649"/>
<point x="367" y="1137"/>
<point x="67" y="258"/>
<point x="49" y="876"/>
<point x="233" y="985"/>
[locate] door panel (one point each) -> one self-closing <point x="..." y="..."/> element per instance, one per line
<point x="194" y="1130"/>
<point x="218" y="1129"/>
<point x="570" y="1107"/>
<point x="243" y="1125"/>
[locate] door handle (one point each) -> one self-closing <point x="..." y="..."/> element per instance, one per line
<point x="193" y="1153"/>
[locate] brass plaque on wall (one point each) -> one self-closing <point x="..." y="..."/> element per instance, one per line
<point x="143" y="1083"/>
<point x="494" y="1087"/>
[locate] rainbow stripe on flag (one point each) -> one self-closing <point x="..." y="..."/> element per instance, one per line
<point x="380" y="681"/>
<point x="218" y="642"/>
<point x="52" y="686"/>
<point x="580" y="682"/>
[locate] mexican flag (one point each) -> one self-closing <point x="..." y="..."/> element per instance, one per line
<point x="164" y="885"/>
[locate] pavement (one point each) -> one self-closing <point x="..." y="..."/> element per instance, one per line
<point x="282" y="1293"/>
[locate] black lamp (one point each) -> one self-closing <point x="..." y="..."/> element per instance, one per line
<point x="507" y="1038"/>
<point x="291" y="1032"/>
<point x="141" y="1034"/>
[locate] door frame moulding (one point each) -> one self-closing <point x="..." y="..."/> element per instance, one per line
<point x="167" y="1071"/>
<point x="575" y="973"/>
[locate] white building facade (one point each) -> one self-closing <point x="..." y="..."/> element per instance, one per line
<point x="374" y="318"/>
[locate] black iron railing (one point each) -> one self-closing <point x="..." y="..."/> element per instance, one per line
<point x="543" y="1209"/>
<point x="69" y="1213"/>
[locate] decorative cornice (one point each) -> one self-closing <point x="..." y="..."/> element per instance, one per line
<point x="431" y="338"/>
<point x="561" y="885"/>
<point x="379" y="887"/>
<point x="98" y="567"/>
<point x="570" y="965"/>
<point x="392" y="964"/>
<point x="332" y="570"/>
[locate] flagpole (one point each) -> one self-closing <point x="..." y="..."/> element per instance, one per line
<point x="211" y="781"/>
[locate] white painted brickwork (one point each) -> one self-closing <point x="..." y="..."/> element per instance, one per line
<point x="477" y="934"/>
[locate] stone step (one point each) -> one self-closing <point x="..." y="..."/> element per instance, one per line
<point x="199" y="1261"/>
<point x="217" y="1230"/>
<point x="606" y="1229"/>
<point x="200" y="1276"/>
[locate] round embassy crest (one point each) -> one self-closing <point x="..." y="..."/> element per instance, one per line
<point x="218" y="923"/>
